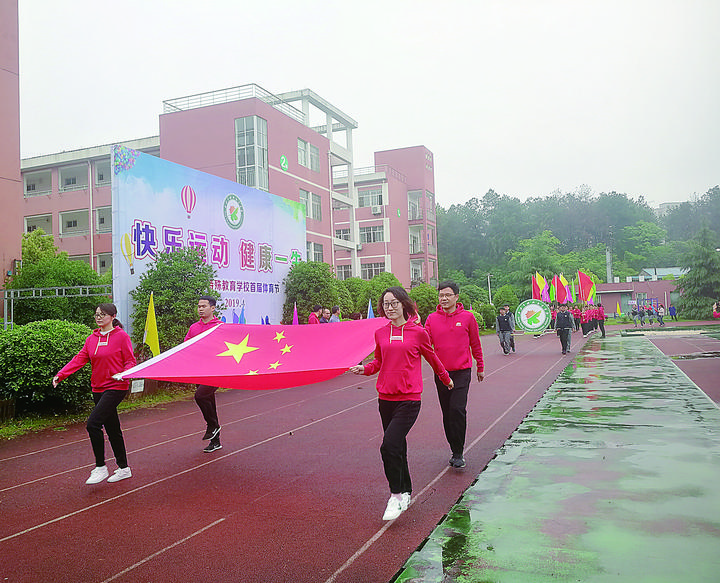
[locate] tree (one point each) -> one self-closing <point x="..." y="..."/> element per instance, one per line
<point x="359" y="291"/>
<point x="537" y="254"/>
<point x="47" y="271"/>
<point x="309" y="283"/>
<point x="36" y="246"/>
<point x="506" y="295"/>
<point x="426" y="298"/>
<point x="700" y="286"/>
<point x="177" y="279"/>
<point x="472" y="295"/>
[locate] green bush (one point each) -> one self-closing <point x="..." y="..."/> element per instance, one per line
<point x="31" y="355"/>
<point x="359" y="291"/>
<point x="479" y="319"/>
<point x="426" y="298"/>
<point x="488" y="313"/>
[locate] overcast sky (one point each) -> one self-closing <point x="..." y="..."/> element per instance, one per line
<point x="521" y="96"/>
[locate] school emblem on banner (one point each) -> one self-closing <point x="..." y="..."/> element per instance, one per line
<point x="233" y="211"/>
<point x="533" y="316"/>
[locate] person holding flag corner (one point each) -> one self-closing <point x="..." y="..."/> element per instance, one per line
<point x="205" y="394"/>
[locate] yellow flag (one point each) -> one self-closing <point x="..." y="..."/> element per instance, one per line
<point x="618" y="309"/>
<point x="151" y="333"/>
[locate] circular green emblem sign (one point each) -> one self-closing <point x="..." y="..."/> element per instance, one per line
<point x="284" y="163"/>
<point x="233" y="211"/>
<point x="532" y="316"/>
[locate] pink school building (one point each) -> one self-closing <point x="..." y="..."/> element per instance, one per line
<point x="362" y="221"/>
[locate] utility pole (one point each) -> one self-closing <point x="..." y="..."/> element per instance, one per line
<point x="608" y="256"/>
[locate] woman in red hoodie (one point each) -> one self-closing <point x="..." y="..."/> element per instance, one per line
<point x="109" y="351"/>
<point x="398" y="348"/>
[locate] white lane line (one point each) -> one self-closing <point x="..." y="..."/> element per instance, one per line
<point x="380" y="532"/>
<point x="161" y="551"/>
<point x="186" y="471"/>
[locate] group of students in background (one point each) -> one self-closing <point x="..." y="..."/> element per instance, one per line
<point x="588" y="318"/>
<point x="640" y="311"/>
<point x="320" y="315"/>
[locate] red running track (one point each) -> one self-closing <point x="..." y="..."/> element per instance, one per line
<point x="296" y="494"/>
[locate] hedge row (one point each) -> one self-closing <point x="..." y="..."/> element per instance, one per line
<point x="31" y="355"/>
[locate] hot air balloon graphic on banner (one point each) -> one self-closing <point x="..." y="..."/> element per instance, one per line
<point x="127" y="251"/>
<point x="188" y="198"/>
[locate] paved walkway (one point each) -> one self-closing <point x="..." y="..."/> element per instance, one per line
<point x="612" y="477"/>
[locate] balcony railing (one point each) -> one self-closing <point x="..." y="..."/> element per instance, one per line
<point x="232" y="94"/>
<point x="70" y="187"/>
<point x="30" y="193"/>
<point x="341" y="174"/>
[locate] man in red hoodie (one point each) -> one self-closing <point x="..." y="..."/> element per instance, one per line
<point x="454" y="333"/>
<point x="314" y="317"/>
<point x="205" y="394"/>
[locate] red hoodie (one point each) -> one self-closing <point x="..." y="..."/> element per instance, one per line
<point x="398" y="361"/>
<point x="454" y="337"/>
<point x="108" y="354"/>
<point x="199" y="327"/>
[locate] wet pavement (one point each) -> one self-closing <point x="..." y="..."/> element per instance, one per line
<point x="614" y="476"/>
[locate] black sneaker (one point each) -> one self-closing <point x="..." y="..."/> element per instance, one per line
<point x="457" y="462"/>
<point x="212" y="446"/>
<point x="211" y="433"/>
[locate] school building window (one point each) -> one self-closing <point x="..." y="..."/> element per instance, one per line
<point x="374" y="234"/>
<point x="370" y="270"/>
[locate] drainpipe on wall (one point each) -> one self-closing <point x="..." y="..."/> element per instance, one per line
<point x="90" y="220"/>
<point x="332" y="213"/>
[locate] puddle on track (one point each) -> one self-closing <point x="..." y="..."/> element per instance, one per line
<point x="612" y="477"/>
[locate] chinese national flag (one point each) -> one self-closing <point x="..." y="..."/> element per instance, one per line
<point x="242" y="356"/>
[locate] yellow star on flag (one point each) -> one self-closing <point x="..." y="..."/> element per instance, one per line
<point x="275" y="364"/>
<point x="287" y="348"/>
<point x="279" y="336"/>
<point x="237" y="351"/>
<point x="252" y="372"/>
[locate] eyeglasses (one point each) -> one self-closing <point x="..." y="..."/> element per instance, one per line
<point x="99" y="315"/>
<point x="443" y="296"/>
<point x="394" y="304"/>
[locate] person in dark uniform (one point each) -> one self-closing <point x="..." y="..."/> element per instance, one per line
<point x="564" y="323"/>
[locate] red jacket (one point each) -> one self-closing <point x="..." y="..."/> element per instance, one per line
<point x="313" y="319"/>
<point x="455" y="336"/>
<point x="398" y="360"/>
<point x="108" y="354"/>
<point x="199" y="327"/>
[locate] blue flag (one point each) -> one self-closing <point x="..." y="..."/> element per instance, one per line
<point x="370" y="310"/>
<point x="241" y="320"/>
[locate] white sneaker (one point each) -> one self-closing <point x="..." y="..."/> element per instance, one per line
<point x="120" y="474"/>
<point x="394" y="509"/>
<point x="404" y="501"/>
<point x="97" y="475"/>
